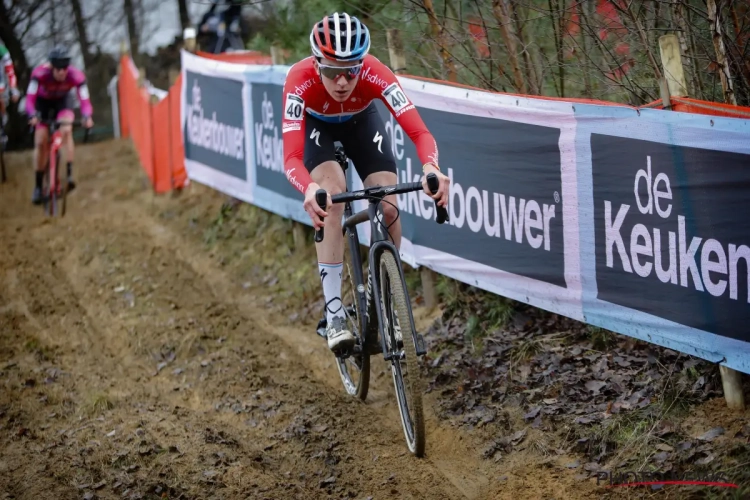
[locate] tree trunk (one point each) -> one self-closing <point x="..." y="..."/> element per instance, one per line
<point x="501" y="10"/>
<point x="683" y="34"/>
<point x="531" y="78"/>
<point x="8" y="36"/>
<point x="558" y="26"/>
<point x="721" y="53"/>
<point x="83" y="38"/>
<point x="132" y="30"/>
<point x="184" y="14"/>
<point x="439" y="35"/>
<point x="585" y="67"/>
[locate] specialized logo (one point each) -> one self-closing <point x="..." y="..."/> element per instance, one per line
<point x="379" y="140"/>
<point x="708" y="265"/>
<point x="294" y="108"/>
<point x="396" y="99"/>
<point x="211" y="134"/>
<point x="315" y="135"/>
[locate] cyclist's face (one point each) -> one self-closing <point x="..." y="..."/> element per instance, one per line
<point x="339" y="82"/>
<point x="59" y="73"/>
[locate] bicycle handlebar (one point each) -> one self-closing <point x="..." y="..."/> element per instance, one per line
<point x="54" y="121"/>
<point x="321" y="197"/>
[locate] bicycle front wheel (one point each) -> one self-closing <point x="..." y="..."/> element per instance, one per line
<point x="396" y="327"/>
<point x="355" y="369"/>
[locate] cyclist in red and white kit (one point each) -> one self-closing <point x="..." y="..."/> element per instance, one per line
<point x="329" y="97"/>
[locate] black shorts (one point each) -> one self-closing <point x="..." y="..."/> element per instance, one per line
<point x="51" y="109"/>
<point x="363" y="137"/>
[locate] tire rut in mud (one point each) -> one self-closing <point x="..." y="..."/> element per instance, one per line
<point x="127" y="325"/>
<point x="230" y="410"/>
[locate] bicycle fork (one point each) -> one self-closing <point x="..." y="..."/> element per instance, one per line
<point x="379" y="243"/>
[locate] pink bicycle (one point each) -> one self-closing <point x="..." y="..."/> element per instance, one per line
<point x="53" y="191"/>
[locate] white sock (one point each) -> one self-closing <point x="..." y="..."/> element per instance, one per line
<point x="330" y="277"/>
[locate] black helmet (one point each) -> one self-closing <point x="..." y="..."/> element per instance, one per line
<point x="59" y="57"/>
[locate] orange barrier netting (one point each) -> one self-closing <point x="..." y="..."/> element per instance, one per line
<point x="688" y="105"/>
<point x="152" y="128"/>
<point x="155" y="129"/>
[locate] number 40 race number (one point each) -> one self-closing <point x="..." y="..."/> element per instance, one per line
<point x="294" y="107"/>
<point x="395" y="97"/>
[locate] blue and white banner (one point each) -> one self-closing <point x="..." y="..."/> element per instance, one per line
<point x="632" y="221"/>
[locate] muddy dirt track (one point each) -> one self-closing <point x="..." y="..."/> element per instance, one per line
<point x="132" y="365"/>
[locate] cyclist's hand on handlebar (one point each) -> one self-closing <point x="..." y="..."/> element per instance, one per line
<point x="312" y="208"/>
<point x="441" y="197"/>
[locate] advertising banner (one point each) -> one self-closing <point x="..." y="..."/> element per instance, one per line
<point x="214" y="125"/>
<point x="631" y="221"/>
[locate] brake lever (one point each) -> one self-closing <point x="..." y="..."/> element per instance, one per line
<point x="321" y="198"/>
<point x="434" y="184"/>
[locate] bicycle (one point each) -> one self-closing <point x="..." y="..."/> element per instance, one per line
<point x="399" y="341"/>
<point x="52" y="190"/>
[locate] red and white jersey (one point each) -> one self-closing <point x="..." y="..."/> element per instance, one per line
<point x="304" y="93"/>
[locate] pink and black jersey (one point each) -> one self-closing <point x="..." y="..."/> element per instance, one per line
<point x="43" y="85"/>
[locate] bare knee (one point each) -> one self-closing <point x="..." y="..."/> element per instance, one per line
<point x="40" y="141"/>
<point x="329" y="176"/>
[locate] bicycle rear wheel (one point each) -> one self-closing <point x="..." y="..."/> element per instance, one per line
<point x="404" y="368"/>
<point x="355" y="369"/>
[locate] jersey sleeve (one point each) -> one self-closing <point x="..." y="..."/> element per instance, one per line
<point x="9" y="69"/>
<point x="406" y="114"/>
<point x="83" y="95"/>
<point x="293" y="132"/>
<point x="31" y="93"/>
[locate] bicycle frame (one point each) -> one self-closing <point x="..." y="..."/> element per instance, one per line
<point x="379" y="243"/>
<point x="55" y="140"/>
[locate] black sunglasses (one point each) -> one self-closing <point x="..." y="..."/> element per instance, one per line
<point x="335" y="72"/>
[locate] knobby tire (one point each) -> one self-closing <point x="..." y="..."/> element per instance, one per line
<point x="410" y="399"/>
<point x="361" y="385"/>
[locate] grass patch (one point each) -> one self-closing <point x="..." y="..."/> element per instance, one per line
<point x="601" y="339"/>
<point x="97" y="403"/>
<point x="42" y="352"/>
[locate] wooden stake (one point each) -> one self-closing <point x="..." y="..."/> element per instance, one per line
<point x="188" y="36"/>
<point x="396" y="51"/>
<point x="669" y="46"/>
<point x="277" y="56"/>
<point x="673" y="85"/>
<point x="731" y="380"/>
